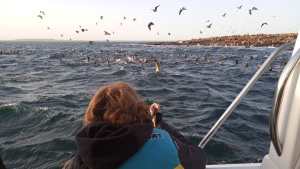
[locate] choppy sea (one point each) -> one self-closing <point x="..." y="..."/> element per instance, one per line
<point x="46" y="86"/>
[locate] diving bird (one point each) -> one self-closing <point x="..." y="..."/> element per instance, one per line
<point x="155" y="8"/>
<point x="181" y="10"/>
<point x="209" y="26"/>
<point x="240" y="7"/>
<point x="107" y="33"/>
<point x="224" y="15"/>
<point x="149" y="25"/>
<point x="263" y="24"/>
<point x="40" y="16"/>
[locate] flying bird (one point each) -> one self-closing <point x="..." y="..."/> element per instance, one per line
<point x="201" y="32"/>
<point x="82" y="30"/>
<point x="48" y="28"/>
<point x="169" y="34"/>
<point x="149" y="25"/>
<point x="209" y="26"/>
<point x="240" y="7"/>
<point x="101" y="17"/>
<point x="254" y="9"/>
<point x="124" y="18"/>
<point x="263" y="24"/>
<point x="40" y="16"/>
<point x="155" y="8"/>
<point x="207" y="21"/>
<point x="224" y="15"/>
<point x="134" y="19"/>
<point x="43" y="13"/>
<point x="181" y="10"/>
<point x="106" y="33"/>
<point x="250" y="12"/>
<point x="77" y="31"/>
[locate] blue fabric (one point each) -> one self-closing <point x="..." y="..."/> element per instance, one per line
<point x="159" y="152"/>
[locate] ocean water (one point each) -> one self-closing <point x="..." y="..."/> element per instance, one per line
<point x="46" y="86"/>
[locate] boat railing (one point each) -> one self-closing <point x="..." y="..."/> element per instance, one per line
<point x="278" y="95"/>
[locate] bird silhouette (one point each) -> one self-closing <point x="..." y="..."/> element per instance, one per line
<point x="43" y="13"/>
<point x="209" y="26"/>
<point x="155" y="8"/>
<point x="101" y="17"/>
<point x="181" y="10"/>
<point x="263" y="24"/>
<point x="149" y="25"/>
<point x="240" y="7"/>
<point x="77" y="32"/>
<point x="250" y="12"/>
<point x="134" y="19"/>
<point x="224" y="15"/>
<point x="106" y="33"/>
<point x="169" y="34"/>
<point x="40" y="16"/>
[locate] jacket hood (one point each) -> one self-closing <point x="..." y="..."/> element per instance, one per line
<point x="107" y="146"/>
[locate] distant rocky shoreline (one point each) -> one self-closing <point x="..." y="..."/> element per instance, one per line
<point x="259" y="40"/>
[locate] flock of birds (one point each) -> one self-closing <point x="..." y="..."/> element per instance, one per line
<point x="209" y="24"/>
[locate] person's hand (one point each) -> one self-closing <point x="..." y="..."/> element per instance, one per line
<point x="154" y="109"/>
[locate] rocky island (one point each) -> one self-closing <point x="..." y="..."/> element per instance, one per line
<point x="259" y="40"/>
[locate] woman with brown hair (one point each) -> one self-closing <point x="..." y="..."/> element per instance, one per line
<point x="121" y="131"/>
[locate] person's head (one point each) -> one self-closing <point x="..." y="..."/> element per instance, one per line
<point x="116" y="103"/>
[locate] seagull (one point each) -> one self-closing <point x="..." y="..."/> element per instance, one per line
<point x="155" y="8"/>
<point x="106" y="33"/>
<point x="134" y="19"/>
<point x="82" y="30"/>
<point x="124" y="17"/>
<point x="207" y="21"/>
<point x="181" y="10"/>
<point x="43" y="13"/>
<point x="157" y="33"/>
<point x="157" y="66"/>
<point x="40" y="16"/>
<point x="101" y="17"/>
<point x="254" y="9"/>
<point x="224" y="15"/>
<point x="209" y="26"/>
<point x="61" y="35"/>
<point x="250" y="12"/>
<point x="121" y="24"/>
<point x="263" y="24"/>
<point x="240" y="7"/>
<point x="169" y="34"/>
<point x="201" y="32"/>
<point x="149" y="25"/>
<point x="48" y="28"/>
<point x="77" y="31"/>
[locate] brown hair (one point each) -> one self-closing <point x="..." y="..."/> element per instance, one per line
<point x="116" y="103"/>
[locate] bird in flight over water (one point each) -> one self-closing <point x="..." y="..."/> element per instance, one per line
<point x="150" y="25"/>
<point x="181" y="10"/>
<point x="155" y="8"/>
<point x="263" y="24"/>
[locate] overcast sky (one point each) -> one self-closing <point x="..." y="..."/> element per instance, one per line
<point x="18" y="18"/>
